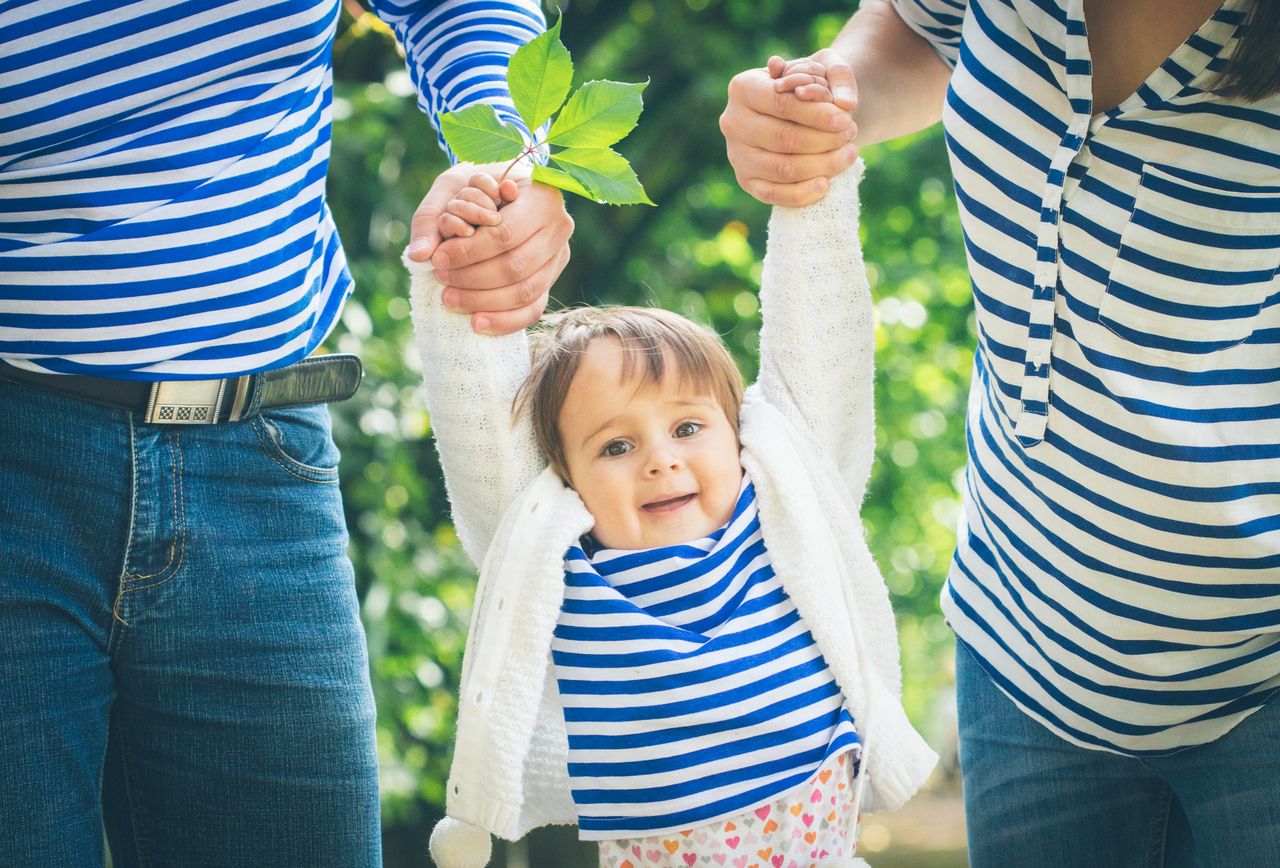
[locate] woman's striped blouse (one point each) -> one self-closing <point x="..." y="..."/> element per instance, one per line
<point x="1118" y="567"/>
<point x="692" y="691"/>
<point x="162" y="171"/>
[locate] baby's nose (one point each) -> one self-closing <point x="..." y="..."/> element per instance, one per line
<point x="662" y="461"/>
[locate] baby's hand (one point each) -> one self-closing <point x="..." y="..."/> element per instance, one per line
<point x="476" y="205"/>
<point x="806" y="78"/>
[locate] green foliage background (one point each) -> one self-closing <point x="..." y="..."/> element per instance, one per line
<point x="698" y="252"/>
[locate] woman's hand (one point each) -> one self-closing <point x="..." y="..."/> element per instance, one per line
<point x="885" y="80"/>
<point x="788" y="129"/>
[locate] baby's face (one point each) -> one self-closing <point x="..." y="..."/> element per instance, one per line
<point x="655" y="464"/>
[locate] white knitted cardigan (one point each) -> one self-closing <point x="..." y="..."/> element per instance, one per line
<point x="807" y="440"/>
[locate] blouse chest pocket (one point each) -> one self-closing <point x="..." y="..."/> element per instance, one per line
<point x="1195" y="265"/>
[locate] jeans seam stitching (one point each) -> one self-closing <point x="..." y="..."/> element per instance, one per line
<point x="298" y="469"/>
<point x="117" y="605"/>
<point x="179" y="544"/>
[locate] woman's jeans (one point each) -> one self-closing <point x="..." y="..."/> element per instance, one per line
<point x="1033" y="799"/>
<point x="181" y="655"/>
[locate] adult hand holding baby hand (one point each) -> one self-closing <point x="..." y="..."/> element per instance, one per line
<point x="501" y="274"/>
<point x="788" y="128"/>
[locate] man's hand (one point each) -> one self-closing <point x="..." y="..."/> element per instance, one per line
<point x="784" y="141"/>
<point x="501" y="274"/>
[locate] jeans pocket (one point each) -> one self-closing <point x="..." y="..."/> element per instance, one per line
<point x="1195" y="265"/>
<point x="300" y="440"/>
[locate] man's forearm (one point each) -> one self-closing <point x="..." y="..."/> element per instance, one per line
<point x="901" y="79"/>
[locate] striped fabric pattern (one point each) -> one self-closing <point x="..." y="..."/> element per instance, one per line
<point x="162" y="170"/>
<point x="691" y="689"/>
<point x="458" y="51"/>
<point x="1118" y="566"/>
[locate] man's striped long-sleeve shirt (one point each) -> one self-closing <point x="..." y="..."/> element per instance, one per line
<point x="162" y="173"/>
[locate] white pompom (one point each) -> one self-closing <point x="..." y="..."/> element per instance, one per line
<point x="455" y="844"/>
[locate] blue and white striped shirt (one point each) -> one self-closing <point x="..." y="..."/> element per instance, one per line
<point x="162" y="170"/>
<point x="1118" y="567"/>
<point x="691" y="689"/>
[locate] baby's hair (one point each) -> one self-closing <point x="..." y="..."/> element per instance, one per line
<point x="649" y="337"/>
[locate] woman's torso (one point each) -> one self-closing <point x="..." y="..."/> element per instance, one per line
<point x="1118" y="565"/>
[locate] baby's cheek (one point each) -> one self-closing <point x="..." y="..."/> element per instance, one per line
<point x="611" y="527"/>
<point x="611" y="536"/>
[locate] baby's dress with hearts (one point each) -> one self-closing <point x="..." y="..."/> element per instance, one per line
<point x="809" y="824"/>
<point x="705" y="727"/>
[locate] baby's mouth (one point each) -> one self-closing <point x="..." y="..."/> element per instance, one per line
<point x="670" y="504"/>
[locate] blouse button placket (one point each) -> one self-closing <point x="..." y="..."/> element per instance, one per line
<point x="1036" y="379"/>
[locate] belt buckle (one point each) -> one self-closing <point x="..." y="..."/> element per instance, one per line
<point x="194" y="402"/>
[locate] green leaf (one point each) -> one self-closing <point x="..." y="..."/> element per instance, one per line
<point x="539" y="76"/>
<point x="477" y="135"/>
<point x="605" y="173"/>
<point x="597" y="115"/>
<point x="556" y="178"/>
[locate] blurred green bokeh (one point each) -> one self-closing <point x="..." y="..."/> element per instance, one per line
<point x="699" y="252"/>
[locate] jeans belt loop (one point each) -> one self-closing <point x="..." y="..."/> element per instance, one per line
<point x="253" y="391"/>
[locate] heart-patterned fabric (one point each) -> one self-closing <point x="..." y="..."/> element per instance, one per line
<point x="810" y="824"/>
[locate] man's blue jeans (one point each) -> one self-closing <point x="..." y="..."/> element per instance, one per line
<point x="1035" y="800"/>
<point x="181" y="656"/>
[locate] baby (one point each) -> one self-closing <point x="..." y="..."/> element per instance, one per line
<point x="680" y="642"/>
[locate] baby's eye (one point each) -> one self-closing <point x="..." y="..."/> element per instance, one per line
<point x="614" y="448"/>
<point x="688" y="429"/>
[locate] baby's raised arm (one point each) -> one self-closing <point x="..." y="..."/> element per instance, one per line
<point x="816" y="337"/>
<point x="470" y="380"/>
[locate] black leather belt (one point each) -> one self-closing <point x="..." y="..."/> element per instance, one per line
<point x="319" y="379"/>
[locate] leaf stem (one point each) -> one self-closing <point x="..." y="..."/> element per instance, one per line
<point x="533" y="146"/>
